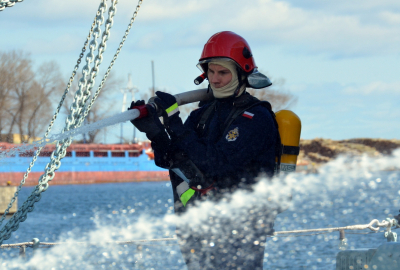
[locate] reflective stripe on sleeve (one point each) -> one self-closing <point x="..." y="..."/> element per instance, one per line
<point x="181" y="188"/>
<point x="186" y="196"/>
<point x="172" y="110"/>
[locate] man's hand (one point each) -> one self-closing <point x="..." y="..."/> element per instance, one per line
<point x="167" y="103"/>
<point x="150" y="124"/>
<point x="170" y="112"/>
<point x="398" y="219"/>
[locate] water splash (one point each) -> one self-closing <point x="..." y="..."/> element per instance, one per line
<point x="347" y="191"/>
<point x="110" y="121"/>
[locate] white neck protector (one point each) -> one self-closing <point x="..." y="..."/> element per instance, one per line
<point x="229" y="89"/>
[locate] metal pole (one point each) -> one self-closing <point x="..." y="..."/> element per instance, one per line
<point x="122" y="110"/>
<point x="152" y="75"/>
<point x="121" y="134"/>
<point x="84" y="134"/>
<point x="22" y="251"/>
<point x="132" y="89"/>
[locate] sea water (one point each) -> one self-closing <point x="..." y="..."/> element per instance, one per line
<point x="347" y="191"/>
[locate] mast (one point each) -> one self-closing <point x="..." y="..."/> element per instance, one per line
<point x="153" y="90"/>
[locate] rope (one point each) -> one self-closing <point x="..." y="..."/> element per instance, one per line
<point x="8" y="3"/>
<point x="384" y="224"/>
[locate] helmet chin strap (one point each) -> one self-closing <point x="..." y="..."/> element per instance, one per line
<point x="241" y="82"/>
<point x="209" y="88"/>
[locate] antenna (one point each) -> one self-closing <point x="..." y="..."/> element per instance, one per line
<point x="130" y="88"/>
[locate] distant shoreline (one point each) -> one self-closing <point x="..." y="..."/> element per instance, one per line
<point x="83" y="178"/>
<point x="320" y="151"/>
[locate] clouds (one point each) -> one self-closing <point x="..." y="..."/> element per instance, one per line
<point x="390" y="17"/>
<point x="376" y="87"/>
<point x="346" y="31"/>
<point x="339" y="57"/>
<point x="163" y="10"/>
<point x="318" y="31"/>
<point x="341" y="28"/>
<point x="350" y="111"/>
<point x="50" y="45"/>
<point x="348" y="6"/>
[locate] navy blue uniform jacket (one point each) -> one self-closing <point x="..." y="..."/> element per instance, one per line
<point x="232" y="159"/>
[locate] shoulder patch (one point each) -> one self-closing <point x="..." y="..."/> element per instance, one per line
<point x="248" y="115"/>
<point x="232" y="134"/>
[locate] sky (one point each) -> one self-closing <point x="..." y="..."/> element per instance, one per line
<point x="341" y="59"/>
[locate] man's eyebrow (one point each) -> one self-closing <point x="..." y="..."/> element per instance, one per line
<point x="224" y="71"/>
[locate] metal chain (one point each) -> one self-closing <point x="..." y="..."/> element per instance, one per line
<point x="37" y="152"/>
<point x="75" y="118"/>
<point x="8" y="3"/>
<point x="75" y="109"/>
<point x="98" y="61"/>
<point x="35" y="196"/>
<point x="121" y="44"/>
<point x="78" y="120"/>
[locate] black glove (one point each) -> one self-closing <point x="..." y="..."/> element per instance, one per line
<point x="151" y="124"/>
<point x="170" y="112"/>
<point x="398" y="219"/>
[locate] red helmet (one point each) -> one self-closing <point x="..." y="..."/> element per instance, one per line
<point x="227" y="44"/>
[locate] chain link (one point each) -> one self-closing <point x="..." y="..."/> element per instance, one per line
<point x="98" y="60"/>
<point x="76" y="107"/>
<point x="8" y="3"/>
<point x="54" y="164"/>
<point x="76" y="117"/>
<point x="121" y="44"/>
<point x="37" y="152"/>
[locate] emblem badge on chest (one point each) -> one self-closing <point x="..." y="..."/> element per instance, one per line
<point x="232" y="135"/>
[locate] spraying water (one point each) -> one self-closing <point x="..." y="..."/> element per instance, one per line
<point x="181" y="99"/>
<point x="113" y="120"/>
<point x="347" y="191"/>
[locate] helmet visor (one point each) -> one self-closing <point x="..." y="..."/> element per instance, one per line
<point x="258" y="80"/>
<point x="204" y="62"/>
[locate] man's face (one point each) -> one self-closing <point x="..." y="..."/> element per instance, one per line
<point x="218" y="76"/>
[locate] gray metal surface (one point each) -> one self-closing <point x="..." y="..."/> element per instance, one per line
<point x="385" y="257"/>
<point x="354" y="259"/>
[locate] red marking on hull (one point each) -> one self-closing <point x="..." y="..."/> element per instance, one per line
<point x="76" y="178"/>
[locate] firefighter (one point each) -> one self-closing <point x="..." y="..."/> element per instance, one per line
<point x="222" y="147"/>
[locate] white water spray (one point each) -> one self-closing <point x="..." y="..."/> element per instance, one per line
<point x="347" y="191"/>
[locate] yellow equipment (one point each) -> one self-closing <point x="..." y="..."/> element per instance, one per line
<point x="289" y="129"/>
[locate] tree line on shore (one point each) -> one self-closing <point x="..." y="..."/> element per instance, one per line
<point x="29" y="97"/>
